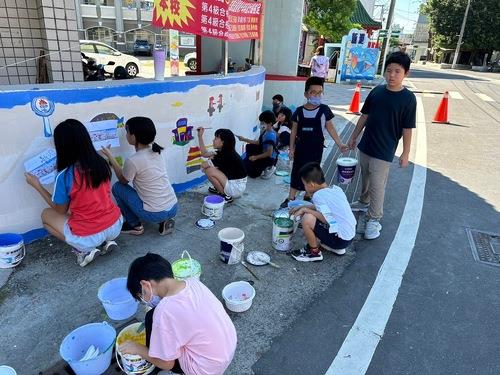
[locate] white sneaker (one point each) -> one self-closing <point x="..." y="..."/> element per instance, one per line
<point x="85" y="258"/>
<point x="268" y="173"/>
<point x="372" y="229"/>
<point x="108" y="246"/>
<point x="359" y="206"/>
<point x="335" y="251"/>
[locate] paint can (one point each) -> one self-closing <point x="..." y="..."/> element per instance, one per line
<point x="282" y="233"/>
<point x="231" y="245"/>
<point x="346" y="169"/>
<point x="132" y="364"/>
<point x="213" y="207"/>
<point x="186" y="267"/>
<point x="12" y="250"/>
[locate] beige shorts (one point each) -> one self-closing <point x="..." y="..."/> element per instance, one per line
<point x="235" y="188"/>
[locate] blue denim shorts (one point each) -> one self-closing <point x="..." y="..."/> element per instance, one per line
<point x="86" y="244"/>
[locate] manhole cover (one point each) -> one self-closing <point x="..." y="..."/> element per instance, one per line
<point x="485" y="246"/>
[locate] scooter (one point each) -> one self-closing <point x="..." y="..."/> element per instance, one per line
<point x="93" y="71"/>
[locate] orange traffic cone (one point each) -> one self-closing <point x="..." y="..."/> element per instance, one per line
<point x="354" y="107"/>
<point x="441" y="116"/>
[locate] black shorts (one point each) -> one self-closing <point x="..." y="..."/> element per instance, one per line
<point x="329" y="239"/>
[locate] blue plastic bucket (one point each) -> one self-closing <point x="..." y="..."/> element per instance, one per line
<point x="76" y="344"/>
<point x="11" y="250"/>
<point x="117" y="300"/>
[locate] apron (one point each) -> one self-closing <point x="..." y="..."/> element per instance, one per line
<point x="309" y="145"/>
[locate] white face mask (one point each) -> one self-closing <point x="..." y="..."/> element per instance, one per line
<point x="153" y="301"/>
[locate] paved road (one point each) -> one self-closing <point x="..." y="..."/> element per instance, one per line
<point x="443" y="320"/>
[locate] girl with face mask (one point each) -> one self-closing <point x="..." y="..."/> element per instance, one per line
<point x="187" y="329"/>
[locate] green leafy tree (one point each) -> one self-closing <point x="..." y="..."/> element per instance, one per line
<point x="482" y="30"/>
<point x="330" y="18"/>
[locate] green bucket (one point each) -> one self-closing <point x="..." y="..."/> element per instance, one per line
<point x="186" y="267"/>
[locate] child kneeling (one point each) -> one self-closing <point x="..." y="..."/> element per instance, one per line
<point x="330" y="219"/>
<point x="187" y="331"/>
<point x="152" y="199"/>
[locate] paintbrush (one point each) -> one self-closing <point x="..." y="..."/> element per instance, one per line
<point x="248" y="269"/>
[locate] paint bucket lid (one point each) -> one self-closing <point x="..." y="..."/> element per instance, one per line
<point x="205" y="224"/>
<point x="7" y="370"/>
<point x="283" y="222"/>
<point x="258" y="258"/>
<point x="281" y="173"/>
<point x="347" y="162"/>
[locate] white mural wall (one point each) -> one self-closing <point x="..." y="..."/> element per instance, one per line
<point x="177" y="107"/>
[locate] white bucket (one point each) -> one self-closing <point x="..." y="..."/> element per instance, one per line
<point x="231" y="245"/>
<point x="238" y="296"/>
<point x="213" y="207"/>
<point x="282" y="233"/>
<point x="132" y="364"/>
<point x="12" y="250"/>
<point x="346" y="169"/>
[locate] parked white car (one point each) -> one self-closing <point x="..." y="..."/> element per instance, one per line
<point x="103" y="54"/>
<point x="190" y="60"/>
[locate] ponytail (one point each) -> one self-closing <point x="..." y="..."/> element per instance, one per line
<point x="156" y="148"/>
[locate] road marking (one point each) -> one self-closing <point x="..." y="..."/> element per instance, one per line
<point x="358" y="348"/>
<point x="455" y="95"/>
<point x="484" y="97"/>
<point x="427" y="95"/>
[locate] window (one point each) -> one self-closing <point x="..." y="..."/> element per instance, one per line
<point x="87" y="48"/>
<point x="103" y="50"/>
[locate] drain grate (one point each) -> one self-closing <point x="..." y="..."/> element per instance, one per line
<point x="485" y="246"/>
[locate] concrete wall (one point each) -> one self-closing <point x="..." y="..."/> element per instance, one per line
<point x="164" y="102"/>
<point x="28" y="27"/>
<point x="282" y="27"/>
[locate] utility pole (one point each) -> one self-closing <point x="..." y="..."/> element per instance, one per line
<point x="388" y="26"/>
<point x="457" y="50"/>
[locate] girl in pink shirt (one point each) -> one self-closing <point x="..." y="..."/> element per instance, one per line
<point x="187" y="330"/>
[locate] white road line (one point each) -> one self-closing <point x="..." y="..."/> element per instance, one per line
<point x="484" y="97"/>
<point x="455" y="95"/>
<point x="357" y="350"/>
<point x="427" y="95"/>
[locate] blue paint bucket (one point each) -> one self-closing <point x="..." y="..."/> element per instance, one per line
<point x="117" y="300"/>
<point x="12" y="250"/>
<point x="77" y="343"/>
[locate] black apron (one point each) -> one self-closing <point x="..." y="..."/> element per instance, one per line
<point x="308" y="146"/>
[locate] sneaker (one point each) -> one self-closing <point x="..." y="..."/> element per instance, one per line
<point x="284" y="204"/>
<point x="227" y="198"/>
<point x="372" y="229"/>
<point x="305" y="255"/>
<point x="359" y="206"/>
<point x="166" y="227"/>
<point x="335" y="251"/>
<point x="108" y="246"/>
<point x="129" y="229"/>
<point x="268" y="173"/>
<point x="85" y="258"/>
<point x="213" y="190"/>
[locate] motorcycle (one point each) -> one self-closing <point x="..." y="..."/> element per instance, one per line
<point x="93" y="71"/>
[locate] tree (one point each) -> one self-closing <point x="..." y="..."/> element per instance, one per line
<point x="330" y="18"/>
<point x="482" y="30"/>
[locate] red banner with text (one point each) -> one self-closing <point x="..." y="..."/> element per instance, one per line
<point x="221" y="19"/>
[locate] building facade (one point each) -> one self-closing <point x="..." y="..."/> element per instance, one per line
<point x="421" y="37"/>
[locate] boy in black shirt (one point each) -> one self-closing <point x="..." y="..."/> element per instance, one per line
<point x="387" y="115"/>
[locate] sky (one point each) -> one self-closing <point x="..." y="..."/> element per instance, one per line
<point x="405" y="13"/>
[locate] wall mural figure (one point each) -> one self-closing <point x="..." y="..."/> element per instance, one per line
<point x="183" y="134"/>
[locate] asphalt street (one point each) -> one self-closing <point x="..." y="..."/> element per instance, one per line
<point x="443" y="317"/>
